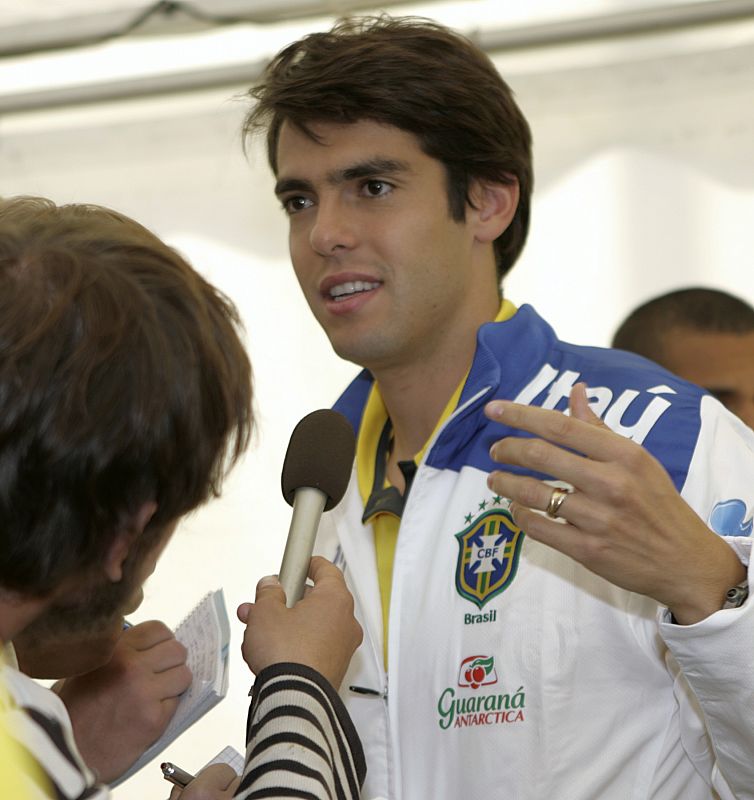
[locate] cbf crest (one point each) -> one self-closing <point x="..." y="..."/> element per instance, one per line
<point x="488" y="555"/>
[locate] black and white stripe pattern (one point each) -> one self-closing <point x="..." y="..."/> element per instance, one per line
<point x="37" y="719"/>
<point x="301" y="743"/>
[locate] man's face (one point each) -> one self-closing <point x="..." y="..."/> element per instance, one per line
<point x="78" y="631"/>
<point x="387" y="272"/>
<point x="722" y="363"/>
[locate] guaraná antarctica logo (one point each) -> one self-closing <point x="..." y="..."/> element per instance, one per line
<point x="477" y="671"/>
<point x="489" y="548"/>
<point x="461" y="709"/>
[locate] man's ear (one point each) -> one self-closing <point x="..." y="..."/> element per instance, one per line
<point x="493" y="206"/>
<point x="124" y="541"/>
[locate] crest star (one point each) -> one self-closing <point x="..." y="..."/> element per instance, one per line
<point x="497" y="499"/>
<point x="483" y="505"/>
<point x="467" y="519"/>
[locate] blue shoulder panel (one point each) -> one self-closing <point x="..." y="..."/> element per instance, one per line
<point x="354" y="399"/>
<point x="523" y="359"/>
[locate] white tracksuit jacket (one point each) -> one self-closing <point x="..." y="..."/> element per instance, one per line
<point x="513" y="671"/>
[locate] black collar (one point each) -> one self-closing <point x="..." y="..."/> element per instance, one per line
<point x="387" y="499"/>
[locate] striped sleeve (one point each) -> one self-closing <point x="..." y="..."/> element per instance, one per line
<point x="301" y="743"/>
<point x="38" y="722"/>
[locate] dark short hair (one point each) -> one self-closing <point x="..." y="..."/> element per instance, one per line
<point x="123" y="380"/>
<point x="417" y="76"/>
<point x="695" y="308"/>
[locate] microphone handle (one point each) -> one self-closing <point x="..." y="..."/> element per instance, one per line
<point x="308" y="505"/>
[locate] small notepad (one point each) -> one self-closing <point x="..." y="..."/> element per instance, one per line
<point x="205" y="633"/>
<point x="231" y="757"/>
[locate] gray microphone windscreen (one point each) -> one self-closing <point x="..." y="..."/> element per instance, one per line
<point x="320" y="455"/>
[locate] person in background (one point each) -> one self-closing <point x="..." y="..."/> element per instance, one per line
<point x="125" y="397"/>
<point x="601" y="649"/>
<point x="704" y="335"/>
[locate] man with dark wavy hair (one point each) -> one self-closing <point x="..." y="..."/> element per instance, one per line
<point x="579" y="653"/>
<point x="704" y="335"/>
<point x="125" y="397"/>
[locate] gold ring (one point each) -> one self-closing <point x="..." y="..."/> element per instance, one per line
<point x="557" y="498"/>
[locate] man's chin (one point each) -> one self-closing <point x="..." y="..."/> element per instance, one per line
<point x="133" y="603"/>
<point x="76" y="634"/>
<point x="47" y="651"/>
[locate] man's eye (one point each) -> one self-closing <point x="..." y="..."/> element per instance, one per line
<point x="292" y="205"/>
<point x="375" y="188"/>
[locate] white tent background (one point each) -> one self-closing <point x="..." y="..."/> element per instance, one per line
<point x="643" y="121"/>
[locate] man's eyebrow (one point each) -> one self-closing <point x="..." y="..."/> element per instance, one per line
<point x="292" y="185"/>
<point x="365" y="169"/>
<point x="369" y="168"/>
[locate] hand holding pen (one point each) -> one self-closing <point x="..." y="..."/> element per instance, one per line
<point x="216" y="782"/>
<point x="177" y="776"/>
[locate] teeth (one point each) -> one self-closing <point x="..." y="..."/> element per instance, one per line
<point x="343" y="290"/>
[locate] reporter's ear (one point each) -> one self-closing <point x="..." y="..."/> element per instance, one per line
<point x="124" y="541"/>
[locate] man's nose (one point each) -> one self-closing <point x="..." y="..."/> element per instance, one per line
<point x="333" y="228"/>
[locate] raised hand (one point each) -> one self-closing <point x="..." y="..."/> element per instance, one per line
<point x="623" y="518"/>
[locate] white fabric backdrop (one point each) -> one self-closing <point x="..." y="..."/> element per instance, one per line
<point x="645" y="182"/>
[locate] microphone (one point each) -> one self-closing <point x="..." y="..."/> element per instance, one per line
<point x="316" y="471"/>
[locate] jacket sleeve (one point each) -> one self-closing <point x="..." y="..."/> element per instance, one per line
<point x="45" y="750"/>
<point x="300" y="740"/>
<point x="716" y="656"/>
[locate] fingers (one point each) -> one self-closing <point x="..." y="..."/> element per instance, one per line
<point x="578" y="405"/>
<point x="319" y="631"/>
<point x="595" y="441"/>
<point x="563" y="537"/>
<point x="168" y="656"/>
<point x="154" y="696"/>
<point x="153" y="662"/>
<point x="530" y="500"/>
<point x="583" y="453"/>
<point x="174" y="682"/>
<point x="216" y="782"/>
<point x="242" y="612"/>
<point x="147" y="634"/>
<point x="270" y="590"/>
<point x="321" y="570"/>
<point x="545" y="458"/>
<point x="530" y="493"/>
<point x="217" y="776"/>
<point x="154" y="645"/>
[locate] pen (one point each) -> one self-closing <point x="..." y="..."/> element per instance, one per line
<point x="175" y="774"/>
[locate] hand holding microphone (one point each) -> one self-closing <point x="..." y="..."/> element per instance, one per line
<point x="319" y="630"/>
